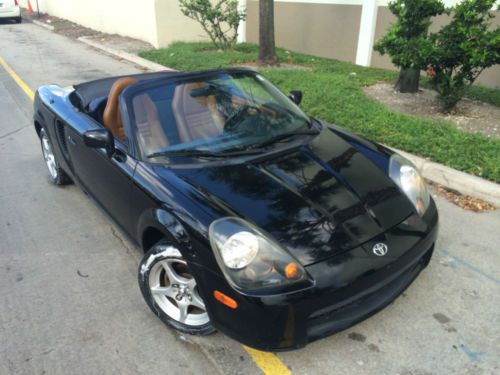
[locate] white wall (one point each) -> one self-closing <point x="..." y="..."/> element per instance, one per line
<point x="158" y="22"/>
<point x="136" y="19"/>
<point x="447" y="3"/>
<point x="173" y="26"/>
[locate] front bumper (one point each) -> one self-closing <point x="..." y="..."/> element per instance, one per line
<point x="349" y="288"/>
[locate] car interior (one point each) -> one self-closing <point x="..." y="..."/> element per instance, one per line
<point x="195" y="117"/>
<point x="165" y="115"/>
<point x="99" y="99"/>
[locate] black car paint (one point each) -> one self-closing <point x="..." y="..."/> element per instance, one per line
<point x="313" y="200"/>
<point x="326" y="201"/>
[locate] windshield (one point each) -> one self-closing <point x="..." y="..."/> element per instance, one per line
<point x="217" y="113"/>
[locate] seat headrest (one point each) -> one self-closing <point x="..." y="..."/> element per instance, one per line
<point x="112" y="117"/>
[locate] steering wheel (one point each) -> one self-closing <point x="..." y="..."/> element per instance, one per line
<point x="278" y="111"/>
<point x="235" y="119"/>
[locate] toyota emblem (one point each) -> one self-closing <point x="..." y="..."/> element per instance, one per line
<point x="380" y="249"/>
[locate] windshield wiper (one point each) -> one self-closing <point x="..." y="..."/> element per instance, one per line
<point x="195" y="153"/>
<point x="250" y="150"/>
<point x="281" y="137"/>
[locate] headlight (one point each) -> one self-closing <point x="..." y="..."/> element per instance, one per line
<point x="407" y="177"/>
<point x="239" y="250"/>
<point x="251" y="261"/>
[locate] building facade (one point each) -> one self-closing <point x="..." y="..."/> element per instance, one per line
<point x="159" y="22"/>
<point x="339" y="29"/>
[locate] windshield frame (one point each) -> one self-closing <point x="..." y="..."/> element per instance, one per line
<point x="130" y="92"/>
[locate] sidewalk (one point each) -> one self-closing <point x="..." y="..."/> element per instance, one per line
<point x="127" y="49"/>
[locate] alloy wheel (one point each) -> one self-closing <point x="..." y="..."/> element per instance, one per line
<point x="49" y="157"/>
<point x="174" y="290"/>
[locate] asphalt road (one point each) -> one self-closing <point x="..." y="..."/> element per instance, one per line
<point x="69" y="300"/>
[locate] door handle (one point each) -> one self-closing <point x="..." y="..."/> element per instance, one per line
<point x="71" y="140"/>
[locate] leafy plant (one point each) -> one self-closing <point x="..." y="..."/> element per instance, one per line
<point x="406" y="41"/>
<point x="219" y="19"/>
<point x="462" y="49"/>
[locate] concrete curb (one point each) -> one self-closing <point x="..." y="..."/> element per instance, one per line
<point x="43" y="24"/>
<point x="149" y="65"/>
<point x="460" y="181"/>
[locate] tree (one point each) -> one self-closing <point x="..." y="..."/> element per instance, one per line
<point x="406" y="41"/>
<point x="267" y="50"/>
<point x="219" y="19"/>
<point x="462" y="49"/>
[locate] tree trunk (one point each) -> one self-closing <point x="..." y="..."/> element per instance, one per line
<point x="267" y="53"/>
<point x="408" y="80"/>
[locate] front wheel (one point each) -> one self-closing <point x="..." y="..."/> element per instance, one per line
<point x="56" y="174"/>
<point x="171" y="292"/>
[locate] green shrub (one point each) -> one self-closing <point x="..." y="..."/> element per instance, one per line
<point x="462" y="49"/>
<point x="219" y="19"/>
<point x="406" y="41"/>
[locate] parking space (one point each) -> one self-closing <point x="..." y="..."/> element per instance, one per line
<point x="69" y="297"/>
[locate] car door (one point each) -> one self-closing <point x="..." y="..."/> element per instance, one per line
<point x="107" y="179"/>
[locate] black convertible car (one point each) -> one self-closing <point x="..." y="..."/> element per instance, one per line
<point x="255" y="219"/>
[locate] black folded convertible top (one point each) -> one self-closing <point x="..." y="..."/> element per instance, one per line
<point x="87" y="91"/>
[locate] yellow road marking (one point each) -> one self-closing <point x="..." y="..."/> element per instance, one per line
<point x="18" y="79"/>
<point x="269" y="363"/>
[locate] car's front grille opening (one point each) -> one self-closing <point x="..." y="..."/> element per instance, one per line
<point x="326" y="322"/>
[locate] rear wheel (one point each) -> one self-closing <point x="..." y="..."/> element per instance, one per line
<point x="171" y="292"/>
<point x="56" y="174"/>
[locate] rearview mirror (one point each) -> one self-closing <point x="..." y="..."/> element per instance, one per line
<point x="100" y="138"/>
<point x="295" y="96"/>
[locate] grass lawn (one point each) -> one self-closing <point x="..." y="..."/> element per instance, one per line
<point x="333" y="93"/>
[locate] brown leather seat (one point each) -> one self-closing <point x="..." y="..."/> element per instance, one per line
<point x="112" y="118"/>
<point x="150" y="133"/>
<point x="198" y="117"/>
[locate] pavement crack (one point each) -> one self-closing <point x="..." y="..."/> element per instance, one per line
<point x="115" y="234"/>
<point x="13" y="132"/>
<point x="81" y="274"/>
<point x="47" y="352"/>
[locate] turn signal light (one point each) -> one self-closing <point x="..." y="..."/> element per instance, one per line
<point x="292" y="271"/>
<point x="225" y="300"/>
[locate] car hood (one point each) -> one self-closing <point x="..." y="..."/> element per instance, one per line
<point x="322" y="199"/>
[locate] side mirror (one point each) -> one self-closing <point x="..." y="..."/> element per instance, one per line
<point x="100" y="138"/>
<point x="295" y="96"/>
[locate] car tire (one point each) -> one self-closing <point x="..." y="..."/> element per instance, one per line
<point x="170" y="290"/>
<point x="19" y="20"/>
<point x="57" y="176"/>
